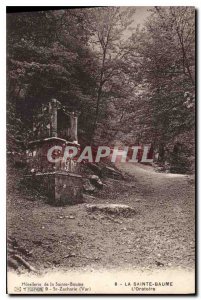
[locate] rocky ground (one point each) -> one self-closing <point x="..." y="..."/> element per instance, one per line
<point x="159" y="234"/>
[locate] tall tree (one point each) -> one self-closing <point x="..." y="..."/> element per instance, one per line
<point x="48" y="56"/>
<point x="108" y="27"/>
<point x="164" y="50"/>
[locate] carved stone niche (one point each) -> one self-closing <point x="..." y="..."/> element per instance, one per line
<point x="60" y="181"/>
<point x="53" y="120"/>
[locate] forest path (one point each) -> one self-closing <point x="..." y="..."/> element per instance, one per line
<point x="159" y="184"/>
<point x="159" y="235"/>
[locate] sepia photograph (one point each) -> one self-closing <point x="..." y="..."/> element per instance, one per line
<point x="100" y="149"/>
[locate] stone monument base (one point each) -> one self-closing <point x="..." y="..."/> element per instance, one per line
<point x="60" y="187"/>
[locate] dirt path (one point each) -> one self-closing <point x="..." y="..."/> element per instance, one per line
<point x="169" y="204"/>
<point x="160" y="235"/>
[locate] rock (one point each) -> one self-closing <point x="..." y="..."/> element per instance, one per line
<point x="88" y="187"/>
<point x="159" y="264"/>
<point x="95" y="180"/>
<point x="112" y="209"/>
<point x="112" y="173"/>
<point x="96" y="169"/>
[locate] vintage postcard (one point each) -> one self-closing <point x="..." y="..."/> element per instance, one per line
<point x="101" y="150"/>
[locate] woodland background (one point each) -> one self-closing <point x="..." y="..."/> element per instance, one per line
<point x="130" y="84"/>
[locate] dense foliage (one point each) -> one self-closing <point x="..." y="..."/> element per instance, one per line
<point x="129" y="84"/>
